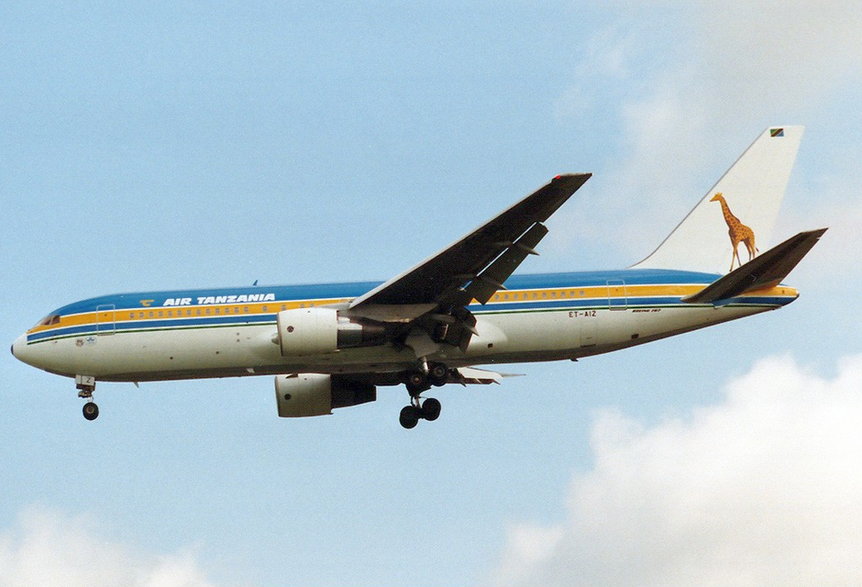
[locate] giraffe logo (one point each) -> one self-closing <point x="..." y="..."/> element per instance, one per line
<point x="739" y="233"/>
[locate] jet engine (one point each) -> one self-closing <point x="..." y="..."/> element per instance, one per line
<point x="317" y="394"/>
<point x="306" y="331"/>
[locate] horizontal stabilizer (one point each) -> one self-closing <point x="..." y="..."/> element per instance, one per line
<point x="764" y="271"/>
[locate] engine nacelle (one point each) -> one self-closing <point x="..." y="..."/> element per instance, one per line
<point x="309" y="331"/>
<point x="317" y="394"/>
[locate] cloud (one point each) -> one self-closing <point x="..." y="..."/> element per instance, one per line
<point x="746" y="61"/>
<point x="692" y="106"/>
<point x="764" y="488"/>
<point x="46" y="548"/>
<point x="833" y="264"/>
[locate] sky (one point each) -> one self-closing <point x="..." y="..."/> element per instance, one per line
<point x="184" y="145"/>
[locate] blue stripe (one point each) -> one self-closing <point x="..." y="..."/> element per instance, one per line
<point x="570" y="280"/>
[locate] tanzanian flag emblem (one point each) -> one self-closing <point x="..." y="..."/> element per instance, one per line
<point x="776" y="132"/>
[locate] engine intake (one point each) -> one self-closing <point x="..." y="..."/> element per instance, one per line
<point x="307" y="331"/>
<point x="317" y="394"/>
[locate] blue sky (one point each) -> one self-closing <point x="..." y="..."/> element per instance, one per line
<point x="181" y="145"/>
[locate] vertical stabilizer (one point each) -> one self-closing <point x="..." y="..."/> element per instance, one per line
<point x="734" y="221"/>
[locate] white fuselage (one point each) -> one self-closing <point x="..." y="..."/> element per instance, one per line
<point x="181" y="335"/>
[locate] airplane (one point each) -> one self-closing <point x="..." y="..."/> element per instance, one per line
<point x="331" y="346"/>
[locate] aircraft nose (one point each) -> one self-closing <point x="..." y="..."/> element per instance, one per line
<point x="18" y="348"/>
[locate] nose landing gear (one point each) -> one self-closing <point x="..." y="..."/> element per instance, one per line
<point x="86" y="386"/>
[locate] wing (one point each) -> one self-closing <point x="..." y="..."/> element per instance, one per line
<point x="433" y="295"/>
<point x="477" y="264"/>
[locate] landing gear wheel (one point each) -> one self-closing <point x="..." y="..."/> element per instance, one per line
<point x="438" y="374"/>
<point x="431" y="409"/>
<point x="416" y="383"/>
<point x="409" y="417"/>
<point x="91" y="411"/>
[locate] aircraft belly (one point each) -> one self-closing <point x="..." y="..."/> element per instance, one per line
<point x="567" y="334"/>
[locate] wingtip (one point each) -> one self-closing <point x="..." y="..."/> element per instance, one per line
<point x="563" y="176"/>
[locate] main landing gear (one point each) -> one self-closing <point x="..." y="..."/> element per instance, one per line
<point x="427" y="410"/>
<point x="435" y="374"/>
<point x="86" y="386"/>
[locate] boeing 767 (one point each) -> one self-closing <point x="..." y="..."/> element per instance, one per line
<point x="331" y="346"/>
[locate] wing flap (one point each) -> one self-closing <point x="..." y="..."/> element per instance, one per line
<point x="472" y="375"/>
<point x="491" y="278"/>
<point x="764" y="271"/>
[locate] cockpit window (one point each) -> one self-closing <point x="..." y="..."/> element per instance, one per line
<point x="49" y="320"/>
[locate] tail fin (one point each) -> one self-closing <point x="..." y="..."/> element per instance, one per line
<point x="739" y="211"/>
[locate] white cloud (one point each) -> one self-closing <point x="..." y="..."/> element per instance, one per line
<point x="526" y="547"/>
<point x="746" y="63"/>
<point x="736" y="68"/>
<point x="765" y="488"/>
<point x="47" y="548"/>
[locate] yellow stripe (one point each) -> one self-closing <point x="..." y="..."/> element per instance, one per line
<point x="248" y="309"/>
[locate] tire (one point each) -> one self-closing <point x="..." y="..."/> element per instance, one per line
<point x="438" y="375"/>
<point x="409" y="417"/>
<point x="91" y="411"/>
<point x="431" y="409"/>
<point x="416" y="382"/>
<point x="416" y="379"/>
